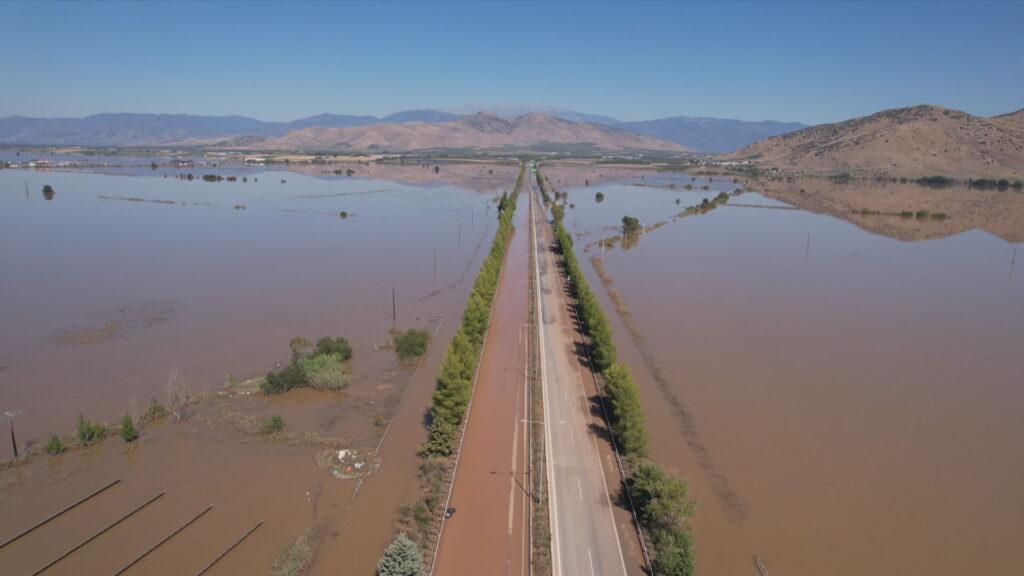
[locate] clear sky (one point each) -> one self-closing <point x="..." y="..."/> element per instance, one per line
<point x="807" y="62"/>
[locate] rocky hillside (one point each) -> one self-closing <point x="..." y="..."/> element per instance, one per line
<point x="481" y="131"/>
<point x="904" y="142"/>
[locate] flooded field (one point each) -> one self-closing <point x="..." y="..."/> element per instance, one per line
<point x="844" y="402"/>
<point x="111" y="281"/>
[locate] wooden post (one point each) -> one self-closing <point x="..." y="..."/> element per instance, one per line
<point x="14" y="443"/>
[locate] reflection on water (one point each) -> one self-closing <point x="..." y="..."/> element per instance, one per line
<point x="858" y="393"/>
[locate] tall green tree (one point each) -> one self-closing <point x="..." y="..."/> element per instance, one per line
<point x="627" y="412"/>
<point x="401" y="558"/>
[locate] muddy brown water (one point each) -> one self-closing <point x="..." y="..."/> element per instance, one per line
<point x="213" y="290"/>
<point x="852" y="407"/>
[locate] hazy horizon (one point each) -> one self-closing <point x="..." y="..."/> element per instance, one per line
<point x="809" y="63"/>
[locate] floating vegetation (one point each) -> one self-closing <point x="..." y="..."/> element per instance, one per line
<point x="153" y="201"/>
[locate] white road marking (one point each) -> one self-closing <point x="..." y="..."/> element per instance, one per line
<point x="591" y="557"/>
<point x="579" y="484"/>
<point x="572" y="436"/>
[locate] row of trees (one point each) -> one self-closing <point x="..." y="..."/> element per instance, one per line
<point x="662" y="501"/>
<point x="542" y="183"/>
<point x="592" y="317"/>
<point x="455" y="380"/>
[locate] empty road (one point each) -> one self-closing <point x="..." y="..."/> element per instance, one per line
<point x="584" y="529"/>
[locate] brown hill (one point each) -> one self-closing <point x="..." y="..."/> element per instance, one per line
<point x="910" y="142"/>
<point x="482" y="131"/>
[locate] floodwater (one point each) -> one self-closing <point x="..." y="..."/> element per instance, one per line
<point x="117" y="278"/>
<point x="843" y="402"/>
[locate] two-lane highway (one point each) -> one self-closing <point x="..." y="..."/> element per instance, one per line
<point x="585" y="538"/>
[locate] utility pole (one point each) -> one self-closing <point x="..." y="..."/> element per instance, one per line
<point x="1013" y="261"/>
<point x="435" y="265"/>
<point x="394" y="309"/>
<point x="807" y="250"/>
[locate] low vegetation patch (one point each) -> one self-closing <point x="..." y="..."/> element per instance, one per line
<point x="154" y="411"/>
<point x="89" y="433"/>
<point x="411" y="343"/>
<point x="320" y="366"/>
<point x="127" y="429"/>
<point x="272" y="425"/>
<point x="296" y="557"/>
<point x="54" y="445"/>
<point x="324" y="371"/>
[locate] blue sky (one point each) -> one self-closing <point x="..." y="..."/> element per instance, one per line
<point x="808" y="62"/>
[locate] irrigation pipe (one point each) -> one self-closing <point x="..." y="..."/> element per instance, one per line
<point x="58" y="513"/>
<point x="162" y="542"/>
<point x="98" y="534"/>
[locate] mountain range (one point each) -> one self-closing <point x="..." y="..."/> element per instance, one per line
<point x="709" y="135"/>
<point x="906" y="142"/>
<point x="478" y="132"/>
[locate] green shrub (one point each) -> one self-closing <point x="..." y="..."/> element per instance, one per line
<point x="155" y="411"/>
<point x="301" y="348"/>
<point x="272" y="425"/>
<point x="337" y="345"/>
<point x="411" y="343"/>
<point x="54" y="445"/>
<point x="285" y="379"/>
<point x="89" y="432"/>
<point x="127" y="429"/>
<point x="324" y="371"/>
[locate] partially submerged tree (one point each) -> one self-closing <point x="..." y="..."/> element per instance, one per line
<point x="630" y="225"/>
